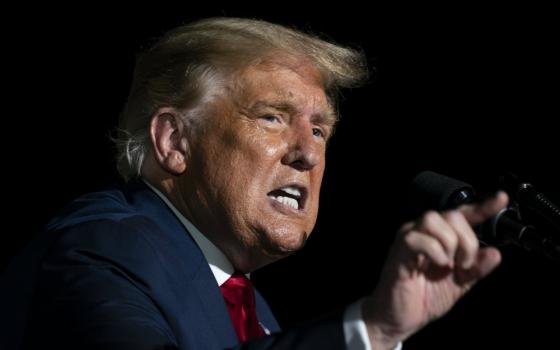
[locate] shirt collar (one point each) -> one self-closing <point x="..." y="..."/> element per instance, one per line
<point x="219" y="264"/>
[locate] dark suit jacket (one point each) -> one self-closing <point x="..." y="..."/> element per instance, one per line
<point x="117" y="270"/>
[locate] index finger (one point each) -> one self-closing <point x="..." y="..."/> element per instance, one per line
<point x="480" y="212"/>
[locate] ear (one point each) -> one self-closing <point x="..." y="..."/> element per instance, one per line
<point x="169" y="140"/>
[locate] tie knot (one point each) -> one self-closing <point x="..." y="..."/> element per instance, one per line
<point x="239" y="279"/>
<point x="238" y="289"/>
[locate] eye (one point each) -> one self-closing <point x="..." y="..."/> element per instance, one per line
<point x="318" y="132"/>
<point x="271" y="118"/>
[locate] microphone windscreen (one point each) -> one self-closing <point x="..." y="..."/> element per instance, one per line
<point x="432" y="191"/>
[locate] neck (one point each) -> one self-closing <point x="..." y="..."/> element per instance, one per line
<point x="241" y="257"/>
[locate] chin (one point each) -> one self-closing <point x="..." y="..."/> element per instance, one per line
<point x="270" y="247"/>
<point x="284" y="242"/>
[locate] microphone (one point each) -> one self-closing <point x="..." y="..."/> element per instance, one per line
<point x="433" y="191"/>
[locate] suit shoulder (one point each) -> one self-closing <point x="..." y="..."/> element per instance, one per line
<point x="115" y="223"/>
<point x="111" y="204"/>
<point x="134" y="240"/>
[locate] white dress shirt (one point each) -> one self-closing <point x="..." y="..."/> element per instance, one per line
<point x="355" y="332"/>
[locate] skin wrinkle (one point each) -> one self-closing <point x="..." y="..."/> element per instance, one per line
<point x="239" y="158"/>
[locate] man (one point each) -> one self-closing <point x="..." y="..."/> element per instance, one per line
<point x="223" y="148"/>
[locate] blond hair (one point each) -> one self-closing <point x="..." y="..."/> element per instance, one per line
<point x="184" y="68"/>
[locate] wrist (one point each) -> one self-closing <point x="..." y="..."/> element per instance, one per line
<point x="381" y="334"/>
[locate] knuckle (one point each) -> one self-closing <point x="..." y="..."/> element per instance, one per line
<point x="452" y="240"/>
<point x="406" y="228"/>
<point x="429" y="218"/>
<point x="418" y="242"/>
<point x="410" y="238"/>
<point x="454" y="216"/>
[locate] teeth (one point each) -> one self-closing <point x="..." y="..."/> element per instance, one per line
<point x="292" y="190"/>
<point x="287" y="201"/>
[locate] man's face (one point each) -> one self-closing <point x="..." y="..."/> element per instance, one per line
<point x="254" y="173"/>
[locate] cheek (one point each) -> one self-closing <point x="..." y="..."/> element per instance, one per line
<point x="247" y="163"/>
<point x="316" y="176"/>
<point x="255" y="155"/>
<point x="262" y="145"/>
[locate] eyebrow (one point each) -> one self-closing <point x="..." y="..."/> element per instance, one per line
<point x="327" y="116"/>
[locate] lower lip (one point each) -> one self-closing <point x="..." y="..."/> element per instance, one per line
<point x="285" y="209"/>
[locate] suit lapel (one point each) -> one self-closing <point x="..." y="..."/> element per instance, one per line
<point x="215" y="310"/>
<point x="266" y="318"/>
<point x="203" y="311"/>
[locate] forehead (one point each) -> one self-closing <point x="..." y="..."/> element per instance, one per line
<point x="278" y="85"/>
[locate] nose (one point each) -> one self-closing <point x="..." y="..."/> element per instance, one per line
<point x="305" y="150"/>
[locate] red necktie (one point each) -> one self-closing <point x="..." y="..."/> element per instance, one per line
<point x="240" y="300"/>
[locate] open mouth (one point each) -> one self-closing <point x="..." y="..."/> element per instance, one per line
<point x="292" y="196"/>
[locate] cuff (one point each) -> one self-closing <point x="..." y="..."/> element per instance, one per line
<point x="355" y="331"/>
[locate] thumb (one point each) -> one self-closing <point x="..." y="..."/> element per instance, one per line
<point x="487" y="260"/>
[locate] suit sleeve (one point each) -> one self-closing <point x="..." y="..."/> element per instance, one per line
<point x="325" y="334"/>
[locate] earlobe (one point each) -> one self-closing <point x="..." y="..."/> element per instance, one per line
<point x="169" y="143"/>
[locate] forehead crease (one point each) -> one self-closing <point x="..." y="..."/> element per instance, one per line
<point x="281" y="105"/>
<point x="319" y="112"/>
<point x="269" y="89"/>
<point x="289" y="101"/>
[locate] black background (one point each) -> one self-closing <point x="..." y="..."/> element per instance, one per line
<point x="466" y="91"/>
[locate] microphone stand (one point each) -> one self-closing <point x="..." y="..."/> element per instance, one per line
<point x="536" y="201"/>
<point x="505" y="228"/>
